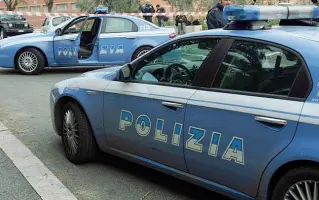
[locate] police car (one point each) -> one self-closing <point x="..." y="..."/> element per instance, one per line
<point x="94" y="40"/>
<point x="235" y="110"/>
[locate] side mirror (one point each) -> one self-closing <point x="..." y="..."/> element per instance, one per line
<point x="58" y="32"/>
<point x="125" y="73"/>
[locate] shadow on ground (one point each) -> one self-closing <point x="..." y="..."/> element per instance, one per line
<point x="171" y="183"/>
<point x="158" y="178"/>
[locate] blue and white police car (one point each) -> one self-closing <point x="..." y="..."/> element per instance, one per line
<point x="94" y="40"/>
<point x="235" y="110"/>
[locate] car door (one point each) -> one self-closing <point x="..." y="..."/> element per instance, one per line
<point x="234" y="128"/>
<point x="117" y="39"/>
<point x="145" y="116"/>
<point x="66" y="45"/>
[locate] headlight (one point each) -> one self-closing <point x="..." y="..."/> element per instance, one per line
<point x="25" y="25"/>
<point x="10" y="25"/>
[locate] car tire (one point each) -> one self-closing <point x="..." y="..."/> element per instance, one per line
<point x="142" y="50"/>
<point x="75" y="125"/>
<point x="3" y="34"/>
<point x="30" y="61"/>
<point x="297" y="178"/>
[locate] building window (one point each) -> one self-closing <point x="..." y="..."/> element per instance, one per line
<point x="35" y="8"/>
<point x="74" y="6"/>
<point x="45" y="9"/>
<point x="22" y="9"/>
<point x="62" y="7"/>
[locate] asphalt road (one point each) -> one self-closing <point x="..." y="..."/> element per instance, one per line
<point x="24" y="109"/>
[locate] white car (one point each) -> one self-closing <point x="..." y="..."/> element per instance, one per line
<point x="51" y="22"/>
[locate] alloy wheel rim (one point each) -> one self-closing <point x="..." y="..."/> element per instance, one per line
<point x="303" y="190"/>
<point x="28" y="61"/>
<point x="71" y="132"/>
<point x="142" y="52"/>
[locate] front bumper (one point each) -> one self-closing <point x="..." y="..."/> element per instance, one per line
<point x="18" y="31"/>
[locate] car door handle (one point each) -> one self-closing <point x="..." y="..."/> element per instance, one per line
<point x="172" y="105"/>
<point x="130" y="37"/>
<point x="271" y="120"/>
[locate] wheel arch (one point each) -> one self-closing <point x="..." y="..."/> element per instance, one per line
<point x="34" y="47"/>
<point x="138" y="48"/>
<point x="284" y="169"/>
<point x="58" y="107"/>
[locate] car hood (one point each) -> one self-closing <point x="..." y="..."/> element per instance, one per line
<point x="29" y="37"/>
<point x="108" y="73"/>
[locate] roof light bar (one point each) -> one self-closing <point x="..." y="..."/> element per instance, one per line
<point x="101" y="9"/>
<point x="258" y="13"/>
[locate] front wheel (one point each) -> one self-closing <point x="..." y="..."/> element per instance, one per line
<point x="299" y="183"/>
<point x="30" y="61"/>
<point x="77" y="137"/>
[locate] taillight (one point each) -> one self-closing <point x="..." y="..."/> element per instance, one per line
<point x="172" y="35"/>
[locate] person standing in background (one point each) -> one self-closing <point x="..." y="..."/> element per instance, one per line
<point x="148" y="8"/>
<point x="160" y="18"/>
<point x="215" y="18"/>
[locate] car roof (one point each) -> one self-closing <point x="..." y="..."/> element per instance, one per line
<point x="302" y="39"/>
<point x="132" y="18"/>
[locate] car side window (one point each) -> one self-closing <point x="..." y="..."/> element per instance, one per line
<point x="46" y="22"/>
<point x="118" y="25"/>
<point x="259" y="68"/>
<point x="177" y="63"/>
<point x="75" y="27"/>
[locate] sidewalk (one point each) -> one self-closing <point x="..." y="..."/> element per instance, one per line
<point x="13" y="185"/>
<point x="23" y="175"/>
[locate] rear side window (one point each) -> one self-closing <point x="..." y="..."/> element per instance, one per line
<point x="118" y="25"/>
<point x="259" y="68"/>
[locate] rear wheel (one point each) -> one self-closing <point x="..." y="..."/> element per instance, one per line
<point x="299" y="183"/>
<point x="141" y="51"/>
<point x="77" y="137"/>
<point x="30" y="61"/>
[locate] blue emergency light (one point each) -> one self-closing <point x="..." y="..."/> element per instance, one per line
<point x="264" y="13"/>
<point x="102" y="10"/>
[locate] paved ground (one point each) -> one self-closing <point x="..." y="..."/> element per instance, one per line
<point x="24" y="109"/>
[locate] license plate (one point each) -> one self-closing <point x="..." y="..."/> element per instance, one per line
<point x="21" y="31"/>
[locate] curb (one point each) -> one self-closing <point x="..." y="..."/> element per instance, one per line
<point x="43" y="181"/>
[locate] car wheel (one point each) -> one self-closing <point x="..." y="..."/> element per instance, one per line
<point x="77" y="137"/>
<point x="299" y="183"/>
<point x="139" y="52"/>
<point x="30" y="61"/>
<point x="2" y="34"/>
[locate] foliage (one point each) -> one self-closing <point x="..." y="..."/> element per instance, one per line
<point x="11" y="4"/>
<point x="49" y="3"/>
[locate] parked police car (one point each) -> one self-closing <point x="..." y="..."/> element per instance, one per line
<point x="12" y="25"/>
<point x="94" y="40"/>
<point x="234" y="110"/>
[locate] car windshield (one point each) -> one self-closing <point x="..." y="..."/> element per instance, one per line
<point x="61" y="25"/>
<point x="58" y="20"/>
<point x="11" y="17"/>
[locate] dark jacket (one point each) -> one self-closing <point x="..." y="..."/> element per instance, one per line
<point x="161" y="10"/>
<point x="215" y="18"/>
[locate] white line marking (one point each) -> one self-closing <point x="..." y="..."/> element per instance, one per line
<point x="37" y="174"/>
